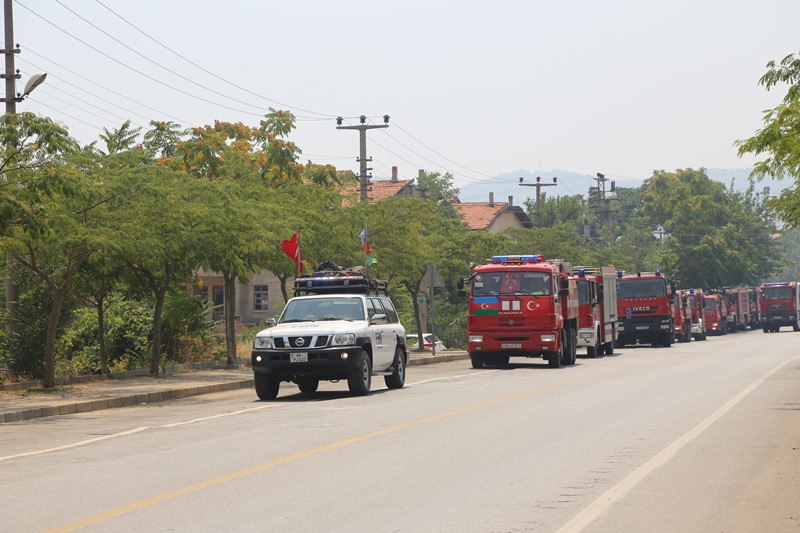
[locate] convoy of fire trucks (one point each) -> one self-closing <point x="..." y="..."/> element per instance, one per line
<point x="342" y="325"/>
<point x="530" y="306"/>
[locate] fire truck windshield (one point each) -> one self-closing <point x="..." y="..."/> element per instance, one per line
<point x="583" y="293"/>
<point x="639" y="288"/>
<point x="777" y="293"/>
<point x="512" y="283"/>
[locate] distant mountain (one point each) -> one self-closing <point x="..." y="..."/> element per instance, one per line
<point x="569" y="183"/>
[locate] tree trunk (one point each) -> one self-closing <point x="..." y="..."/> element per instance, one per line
<point x="230" y="316"/>
<point x="414" y="291"/>
<point x="101" y="335"/>
<point x="155" y="356"/>
<point x="59" y="295"/>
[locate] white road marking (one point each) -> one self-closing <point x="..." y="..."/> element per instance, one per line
<point x="618" y="491"/>
<point x="129" y="432"/>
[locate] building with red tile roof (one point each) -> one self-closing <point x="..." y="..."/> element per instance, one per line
<point x="492" y="216"/>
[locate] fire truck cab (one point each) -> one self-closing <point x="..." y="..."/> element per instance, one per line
<point x="682" y="317"/>
<point x="644" y="308"/>
<point x="779" y="304"/>
<point x="715" y="312"/>
<point x="597" y="310"/>
<point x="521" y="305"/>
<point x="694" y="298"/>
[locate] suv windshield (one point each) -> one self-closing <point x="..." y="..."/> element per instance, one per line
<point x="333" y="308"/>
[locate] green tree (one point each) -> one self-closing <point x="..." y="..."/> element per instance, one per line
<point x="120" y="139"/>
<point x="779" y="139"/>
<point x="704" y="224"/>
<point x="158" y="233"/>
<point x="163" y="138"/>
<point x="558" y="209"/>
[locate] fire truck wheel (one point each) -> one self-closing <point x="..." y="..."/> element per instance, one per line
<point x="554" y="359"/>
<point x="501" y="360"/>
<point x="477" y="360"/>
<point x="594" y="351"/>
<point x="573" y="346"/>
<point x="591" y="351"/>
<point x="608" y="348"/>
<point x="796" y="326"/>
<point x="668" y="339"/>
<point x="360" y="379"/>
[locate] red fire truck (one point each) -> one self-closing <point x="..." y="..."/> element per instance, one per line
<point x="743" y="308"/>
<point x="644" y="308"/>
<point x="715" y="313"/>
<point x="521" y="305"/>
<point x="695" y="299"/>
<point x="779" y="304"/>
<point x="597" y="310"/>
<point x="682" y="317"/>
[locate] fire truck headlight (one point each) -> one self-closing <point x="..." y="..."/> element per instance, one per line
<point x="475" y="338"/>
<point x="548" y="338"/>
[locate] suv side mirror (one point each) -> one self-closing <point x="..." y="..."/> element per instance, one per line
<point x="379" y="318"/>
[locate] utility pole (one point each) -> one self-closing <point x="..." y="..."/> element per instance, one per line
<point x="538" y="185"/>
<point x="11" y="75"/>
<point x="599" y="202"/>
<point x="362" y="128"/>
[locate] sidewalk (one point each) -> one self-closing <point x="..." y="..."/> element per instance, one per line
<point x="24" y="401"/>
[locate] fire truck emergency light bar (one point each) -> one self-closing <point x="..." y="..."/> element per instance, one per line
<point x="517" y="258"/>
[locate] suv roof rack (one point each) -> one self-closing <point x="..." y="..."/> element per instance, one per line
<point x="331" y="278"/>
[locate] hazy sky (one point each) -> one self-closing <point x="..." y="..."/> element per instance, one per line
<point x="477" y="89"/>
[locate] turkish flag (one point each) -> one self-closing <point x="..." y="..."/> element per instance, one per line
<point x="292" y="249"/>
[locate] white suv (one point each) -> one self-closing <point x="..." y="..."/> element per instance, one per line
<point x="344" y="329"/>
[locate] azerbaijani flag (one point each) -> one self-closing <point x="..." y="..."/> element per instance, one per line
<point x="485" y="306"/>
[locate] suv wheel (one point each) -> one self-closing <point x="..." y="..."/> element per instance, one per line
<point x="360" y="378"/>
<point x="267" y="385"/>
<point x="308" y="385"/>
<point x="398" y="377"/>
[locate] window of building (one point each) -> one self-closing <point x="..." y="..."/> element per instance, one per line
<point x="260" y="297"/>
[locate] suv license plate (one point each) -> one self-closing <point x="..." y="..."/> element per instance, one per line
<point x="511" y="346"/>
<point x="298" y="357"/>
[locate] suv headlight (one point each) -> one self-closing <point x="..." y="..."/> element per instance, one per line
<point x="343" y="339"/>
<point x="262" y="343"/>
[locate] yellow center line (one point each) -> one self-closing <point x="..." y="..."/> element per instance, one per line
<point x="340" y="444"/>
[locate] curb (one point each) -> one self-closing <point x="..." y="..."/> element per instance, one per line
<point x="122" y="401"/>
<point x="155" y="397"/>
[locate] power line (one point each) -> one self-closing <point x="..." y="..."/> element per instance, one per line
<point x="139" y="72"/>
<point x="327" y="115"/>
<point x="112" y="91"/>
<point x="478" y="176"/>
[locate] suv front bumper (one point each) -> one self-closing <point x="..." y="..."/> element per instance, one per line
<point x="325" y="364"/>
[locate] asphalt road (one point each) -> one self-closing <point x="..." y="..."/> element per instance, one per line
<point x="698" y="437"/>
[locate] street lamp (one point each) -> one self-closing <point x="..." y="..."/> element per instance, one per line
<point x="33" y="83"/>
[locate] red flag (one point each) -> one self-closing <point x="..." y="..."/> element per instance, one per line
<point x="292" y="249"/>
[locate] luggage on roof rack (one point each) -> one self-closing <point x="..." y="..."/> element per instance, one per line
<point x="331" y="278"/>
